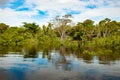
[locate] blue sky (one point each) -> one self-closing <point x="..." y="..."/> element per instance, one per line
<point x="14" y="12"/>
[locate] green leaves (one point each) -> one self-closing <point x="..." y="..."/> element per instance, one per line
<point x="3" y="27"/>
<point x="31" y="27"/>
<point x="103" y="35"/>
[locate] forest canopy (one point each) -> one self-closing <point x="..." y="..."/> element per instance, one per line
<point x="86" y="34"/>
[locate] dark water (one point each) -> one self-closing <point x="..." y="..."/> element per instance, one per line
<point x="54" y="65"/>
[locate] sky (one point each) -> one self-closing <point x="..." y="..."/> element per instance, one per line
<point x="15" y="12"/>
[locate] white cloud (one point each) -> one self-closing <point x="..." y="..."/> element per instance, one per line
<point x="98" y="13"/>
<point x="14" y="18"/>
<point x="105" y="8"/>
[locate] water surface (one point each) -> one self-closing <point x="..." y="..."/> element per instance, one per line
<point x="55" y="65"/>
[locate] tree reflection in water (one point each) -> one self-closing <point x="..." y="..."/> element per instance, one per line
<point x="62" y="64"/>
<point x="60" y="60"/>
<point x="30" y="52"/>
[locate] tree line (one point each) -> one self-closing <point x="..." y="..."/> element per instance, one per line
<point x="61" y="31"/>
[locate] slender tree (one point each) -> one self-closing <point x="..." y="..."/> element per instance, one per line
<point x="61" y="25"/>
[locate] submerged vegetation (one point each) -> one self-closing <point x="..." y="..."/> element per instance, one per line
<point x="85" y="36"/>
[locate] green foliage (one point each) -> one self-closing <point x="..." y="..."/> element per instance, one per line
<point x="88" y="23"/>
<point x="107" y="28"/>
<point x="84" y="36"/>
<point x="76" y="33"/>
<point x="112" y="42"/>
<point x="32" y="28"/>
<point x="3" y="27"/>
<point x="62" y="24"/>
<point x="49" y="42"/>
<point x="73" y="45"/>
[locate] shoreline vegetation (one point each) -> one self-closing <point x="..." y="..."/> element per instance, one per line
<point x="84" y="37"/>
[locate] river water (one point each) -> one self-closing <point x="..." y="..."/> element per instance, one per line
<point x="57" y="66"/>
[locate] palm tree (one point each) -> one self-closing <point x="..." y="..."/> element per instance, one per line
<point x="31" y="27"/>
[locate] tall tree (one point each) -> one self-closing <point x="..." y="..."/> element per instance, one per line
<point x="31" y="27"/>
<point x="76" y="33"/>
<point x="62" y="25"/>
<point x="107" y="27"/>
<point x="88" y="27"/>
<point x="47" y="30"/>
